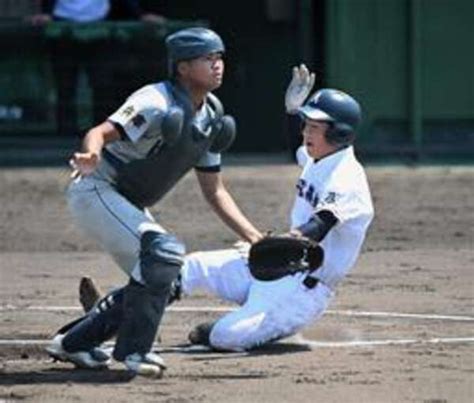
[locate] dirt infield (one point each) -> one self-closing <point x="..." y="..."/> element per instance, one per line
<point x="401" y="328"/>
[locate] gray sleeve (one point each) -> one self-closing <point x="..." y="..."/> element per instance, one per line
<point x="142" y="110"/>
<point x="209" y="162"/>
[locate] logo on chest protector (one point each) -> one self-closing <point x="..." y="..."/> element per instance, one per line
<point x="128" y="111"/>
<point x="138" y="120"/>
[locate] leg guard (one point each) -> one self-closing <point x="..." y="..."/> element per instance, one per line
<point x="99" y="325"/>
<point x="176" y="291"/>
<point x="161" y="257"/>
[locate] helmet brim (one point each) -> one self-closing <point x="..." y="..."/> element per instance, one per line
<point x="309" y="112"/>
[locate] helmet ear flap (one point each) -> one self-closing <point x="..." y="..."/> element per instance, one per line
<point x="339" y="133"/>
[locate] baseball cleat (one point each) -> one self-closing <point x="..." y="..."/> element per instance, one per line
<point x="89" y="293"/>
<point x="150" y="364"/>
<point x="201" y="333"/>
<point x="96" y="358"/>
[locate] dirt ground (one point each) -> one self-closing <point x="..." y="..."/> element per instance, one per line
<point x="418" y="259"/>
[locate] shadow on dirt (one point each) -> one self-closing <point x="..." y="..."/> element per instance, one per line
<point x="203" y="353"/>
<point x="65" y="376"/>
<point x="213" y="377"/>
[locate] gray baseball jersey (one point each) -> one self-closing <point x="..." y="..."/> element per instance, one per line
<point x="98" y="208"/>
<point x="139" y="122"/>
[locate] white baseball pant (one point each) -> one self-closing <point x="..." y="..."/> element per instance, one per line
<point x="268" y="311"/>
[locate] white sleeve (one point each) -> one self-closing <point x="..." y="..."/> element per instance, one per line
<point x="344" y="204"/>
<point x="140" y="111"/>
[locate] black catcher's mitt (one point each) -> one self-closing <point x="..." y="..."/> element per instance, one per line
<point x="276" y="256"/>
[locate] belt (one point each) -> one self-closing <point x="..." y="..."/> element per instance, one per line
<point x="310" y="282"/>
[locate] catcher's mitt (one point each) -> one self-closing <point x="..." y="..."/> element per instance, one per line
<point x="276" y="256"/>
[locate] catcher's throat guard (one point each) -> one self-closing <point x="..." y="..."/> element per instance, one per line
<point x="275" y="257"/>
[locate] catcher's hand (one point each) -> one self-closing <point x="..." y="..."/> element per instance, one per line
<point x="299" y="88"/>
<point x="277" y="256"/>
<point x="83" y="164"/>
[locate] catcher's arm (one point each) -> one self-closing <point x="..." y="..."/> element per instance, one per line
<point x="217" y="195"/>
<point x="85" y="162"/>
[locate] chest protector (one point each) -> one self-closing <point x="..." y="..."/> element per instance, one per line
<point x="145" y="181"/>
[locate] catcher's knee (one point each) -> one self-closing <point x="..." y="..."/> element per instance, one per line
<point x="161" y="258"/>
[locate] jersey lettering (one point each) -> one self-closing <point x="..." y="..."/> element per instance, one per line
<point x="300" y="187"/>
<point x="309" y="196"/>
<point x="330" y="198"/>
<point x="307" y="191"/>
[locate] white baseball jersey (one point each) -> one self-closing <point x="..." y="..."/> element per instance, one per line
<point x="272" y="310"/>
<point x="336" y="183"/>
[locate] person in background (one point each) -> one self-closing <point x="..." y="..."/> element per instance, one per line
<point x="95" y="57"/>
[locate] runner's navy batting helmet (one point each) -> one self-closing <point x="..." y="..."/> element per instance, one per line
<point x="191" y="43"/>
<point x="337" y="108"/>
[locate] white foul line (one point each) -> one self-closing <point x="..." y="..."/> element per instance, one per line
<point x="401" y="315"/>
<point x="311" y="343"/>
<point x="461" y="318"/>
<point x="387" y="342"/>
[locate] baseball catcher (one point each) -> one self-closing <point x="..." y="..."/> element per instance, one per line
<point x="130" y="162"/>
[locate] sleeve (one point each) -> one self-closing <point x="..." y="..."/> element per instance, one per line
<point x="345" y="204"/>
<point x="210" y="162"/>
<point x="140" y="112"/>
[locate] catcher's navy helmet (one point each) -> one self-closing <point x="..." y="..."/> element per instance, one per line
<point x="190" y="43"/>
<point x="339" y="109"/>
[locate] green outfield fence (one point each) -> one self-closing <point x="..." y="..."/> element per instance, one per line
<point x="412" y="64"/>
<point x="409" y="62"/>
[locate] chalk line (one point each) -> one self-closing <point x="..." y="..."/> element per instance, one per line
<point x="461" y="318"/>
<point x="300" y="340"/>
